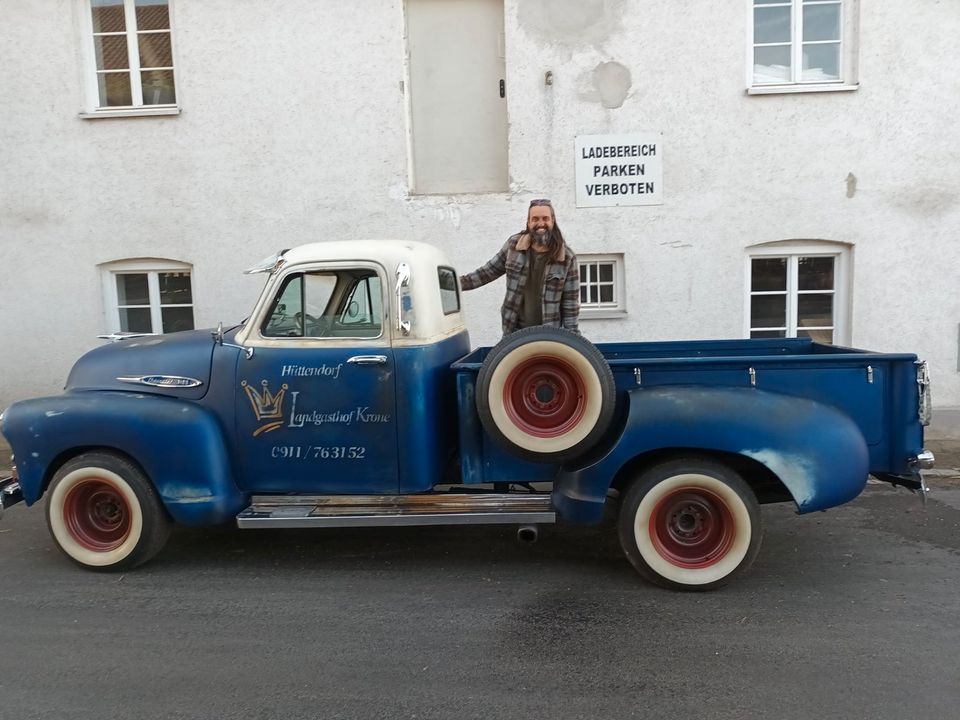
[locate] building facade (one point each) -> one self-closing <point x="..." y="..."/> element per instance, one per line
<point x="749" y="168"/>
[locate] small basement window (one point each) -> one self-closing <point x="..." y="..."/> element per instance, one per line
<point x="148" y="296"/>
<point x="601" y="286"/>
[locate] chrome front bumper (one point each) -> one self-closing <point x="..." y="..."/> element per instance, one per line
<point x="10" y="493"/>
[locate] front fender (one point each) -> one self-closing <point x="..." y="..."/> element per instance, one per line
<point x="817" y="451"/>
<point x="178" y="443"/>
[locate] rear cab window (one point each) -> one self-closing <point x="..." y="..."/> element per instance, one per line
<point x="449" y="290"/>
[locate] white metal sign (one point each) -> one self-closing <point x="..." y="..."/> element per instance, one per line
<point x="619" y="169"/>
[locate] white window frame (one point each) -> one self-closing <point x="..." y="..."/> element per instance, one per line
<point x="793" y="250"/>
<point x="849" y="35"/>
<point x="151" y="267"/>
<point x="92" y="108"/>
<point x="617" y="308"/>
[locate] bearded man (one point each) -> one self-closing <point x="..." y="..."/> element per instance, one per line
<point x="543" y="280"/>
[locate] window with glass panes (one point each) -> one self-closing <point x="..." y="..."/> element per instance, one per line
<point x="132" y="53"/>
<point x="600" y="283"/>
<point x="794" y="296"/>
<point x="797" y="41"/>
<point x="154" y="302"/>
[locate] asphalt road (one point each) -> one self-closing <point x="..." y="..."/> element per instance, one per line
<point x="854" y="613"/>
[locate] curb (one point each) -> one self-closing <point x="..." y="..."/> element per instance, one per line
<point x="943" y="473"/>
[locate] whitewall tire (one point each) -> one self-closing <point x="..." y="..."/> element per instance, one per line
<point x="690" y="524"/>
<point x="104" y="514"/>
<point x="545" y="394"/>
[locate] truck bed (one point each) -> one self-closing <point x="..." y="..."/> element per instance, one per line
<point x="869" y="387"/>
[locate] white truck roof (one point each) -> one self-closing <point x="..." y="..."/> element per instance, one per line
<point x="425" y="310"/>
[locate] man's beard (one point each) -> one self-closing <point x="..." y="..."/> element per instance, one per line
<point x="543" y="236"/>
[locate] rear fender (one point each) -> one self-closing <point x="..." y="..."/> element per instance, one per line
<point x="178" y="443"/>
<point x="816" y="451"/>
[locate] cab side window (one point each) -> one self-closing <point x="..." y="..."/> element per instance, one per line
<point x="327" y="304"/>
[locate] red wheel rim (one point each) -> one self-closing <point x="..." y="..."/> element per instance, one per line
<point x="544" y="396"/>
<point x="692" y="528"/>
<point x="97" y="515"/>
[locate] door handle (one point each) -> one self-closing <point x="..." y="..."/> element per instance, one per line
<point x="368" y="360"/>
<point x="503" y="89"/>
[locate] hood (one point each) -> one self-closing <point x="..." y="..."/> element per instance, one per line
<point x="176" y="365"/>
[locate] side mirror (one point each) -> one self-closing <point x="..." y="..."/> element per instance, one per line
<point x="218" y="340"/>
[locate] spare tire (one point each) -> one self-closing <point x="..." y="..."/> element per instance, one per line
<point x="545" y="394"/>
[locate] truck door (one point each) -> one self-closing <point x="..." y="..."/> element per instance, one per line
<point x="316" y="407"/>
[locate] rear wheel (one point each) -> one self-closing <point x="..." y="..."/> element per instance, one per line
<point x="104" y="513"/>
<point x="690" y="524"/>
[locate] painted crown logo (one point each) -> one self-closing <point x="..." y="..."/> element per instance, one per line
<point x="266" y="406"/>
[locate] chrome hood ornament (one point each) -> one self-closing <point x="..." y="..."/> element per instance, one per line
<point x="268" y="264"/>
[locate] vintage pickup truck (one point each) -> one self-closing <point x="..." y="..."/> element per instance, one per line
<point x="351" y="397"/>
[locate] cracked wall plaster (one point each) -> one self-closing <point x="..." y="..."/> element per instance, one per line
<point x="612" y="82"/>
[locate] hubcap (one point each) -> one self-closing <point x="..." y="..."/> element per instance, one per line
<point x="96" y="515"/>
<point x="692" y="528"/>
<point x="545" y="397"/>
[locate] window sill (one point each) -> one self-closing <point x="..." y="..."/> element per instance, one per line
<point x="787" y="89"/>
<point x="129" y="112"/>
<point x="588" y="314"/>
<point x="464" y="196"/>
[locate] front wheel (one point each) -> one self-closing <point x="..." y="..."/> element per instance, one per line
<point x="690" y="524"/>
<point x="104" y="513"/>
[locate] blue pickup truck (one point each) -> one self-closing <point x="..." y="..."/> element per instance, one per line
<point x="351" y="397"/>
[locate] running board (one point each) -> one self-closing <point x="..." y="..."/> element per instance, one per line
<point x="298" y="511"/>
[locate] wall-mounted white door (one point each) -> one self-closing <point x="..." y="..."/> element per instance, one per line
<point x="458" y="116"/>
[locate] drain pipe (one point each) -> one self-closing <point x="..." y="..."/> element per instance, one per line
<point x="528" y="534"/>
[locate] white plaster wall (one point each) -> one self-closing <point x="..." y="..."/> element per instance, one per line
<point x="294" y="129"/>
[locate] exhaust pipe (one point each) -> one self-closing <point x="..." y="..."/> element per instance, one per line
<point x="528" y="534"/>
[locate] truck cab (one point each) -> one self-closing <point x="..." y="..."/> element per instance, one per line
<point x="345" y="364"/>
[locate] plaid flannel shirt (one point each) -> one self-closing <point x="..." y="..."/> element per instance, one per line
<point x="561" y="284"/>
